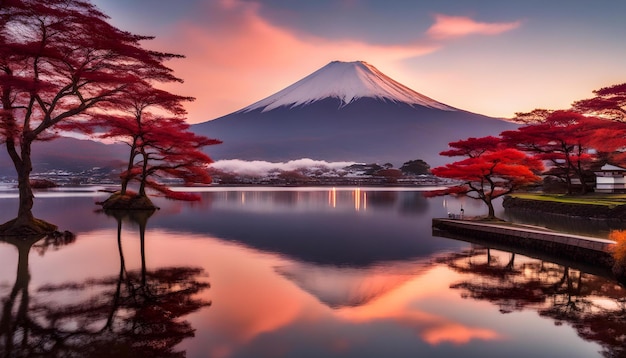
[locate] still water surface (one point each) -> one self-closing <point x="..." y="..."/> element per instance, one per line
<point x="275" y="272"/>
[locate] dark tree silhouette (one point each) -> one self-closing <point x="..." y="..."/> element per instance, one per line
<point x="16" y="305"/>
<point x="415" y="167"/>
<point x="131" y="314"/>
<point x="595" y="306"/>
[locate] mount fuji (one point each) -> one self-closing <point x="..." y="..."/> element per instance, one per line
<point x="346" y="111"/>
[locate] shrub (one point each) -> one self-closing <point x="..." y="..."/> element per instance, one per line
<point x="619" y="250"/>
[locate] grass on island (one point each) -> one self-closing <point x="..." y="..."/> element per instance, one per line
<point x="609" y="200"/>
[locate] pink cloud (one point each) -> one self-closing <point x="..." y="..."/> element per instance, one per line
<point x="229" y="57"/>
<point x="447" y="27"/>
<point x="235" y="56"/>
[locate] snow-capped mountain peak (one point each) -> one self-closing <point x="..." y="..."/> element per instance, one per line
<point x="346" y="81"/>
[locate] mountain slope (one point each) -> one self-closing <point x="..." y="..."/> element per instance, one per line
<point x="346" y="112"/>
<point x="69" y="154"/>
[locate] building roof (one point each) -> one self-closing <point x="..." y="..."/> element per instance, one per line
<point x="611" y="168"/>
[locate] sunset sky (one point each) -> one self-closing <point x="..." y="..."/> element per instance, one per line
<point x="491" y="57"/>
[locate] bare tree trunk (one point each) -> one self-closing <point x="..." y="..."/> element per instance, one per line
<point x="25" y="223"/>
<point x="24" y="168"/>
<point x="21" y="161"/>
<point x="568" y="182"/>
<point x="492" y="212"/>
<point x="144" y="175"/>
<point x="131" y="163"/>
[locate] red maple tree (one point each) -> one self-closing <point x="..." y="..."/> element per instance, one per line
<point x="490" y="170"/>
<point x="609" y="103"/>
<point x="168" y="149"/>
<point x="564" y="139"/>
<point x="159" y="145"/>
<point x="60" y="60"/>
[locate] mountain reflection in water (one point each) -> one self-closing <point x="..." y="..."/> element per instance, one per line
<point x="311" y="272"/>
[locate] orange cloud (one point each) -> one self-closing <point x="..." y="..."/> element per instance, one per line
<point x="448" y="27"/>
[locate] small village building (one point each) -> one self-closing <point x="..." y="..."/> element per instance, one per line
<point x="610" y="179"/>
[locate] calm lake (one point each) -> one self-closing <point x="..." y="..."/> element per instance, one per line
<point x="289" y="272"/>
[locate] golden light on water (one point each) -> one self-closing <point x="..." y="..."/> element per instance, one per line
<point x="332" y="197"/>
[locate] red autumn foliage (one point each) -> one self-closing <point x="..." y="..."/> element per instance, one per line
<point x="472" y="147"/>
<point x="489" y="171"/>
<point x="60" y="63"/>
<point x="169" y="149"/>
<point x="158" y="145"/>
<point x="609" y="102"/>
<point x="563" y="139"/>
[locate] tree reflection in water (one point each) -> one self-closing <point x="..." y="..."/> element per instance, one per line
<point x="595" y="306"/>
<point x="131" y="314"/>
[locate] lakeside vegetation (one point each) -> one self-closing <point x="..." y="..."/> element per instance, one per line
<point x="604" y="199"/>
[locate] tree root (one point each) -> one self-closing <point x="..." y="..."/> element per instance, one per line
<point x="128" y="202"/>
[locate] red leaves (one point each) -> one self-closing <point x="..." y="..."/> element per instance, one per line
<point x="170" y="194"/>
<point x="571" y="141"/>
<point x="568" y="140"/>
<point x="615" y="90"/>
<point x="501" y="165"/>
<point x="608" y="103"/>
<point x="472" y="147"/>
<point x="159" y="145"/>
<point x="61" y="57"/>
<point x="453" y="190"/>
<point x="489" y="171"/>
<point x="64" y="67"/>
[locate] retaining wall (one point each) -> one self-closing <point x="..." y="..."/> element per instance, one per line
<point x="582" y="249"/>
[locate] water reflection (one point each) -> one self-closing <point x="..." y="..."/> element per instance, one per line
<point x="356" y="199"/>
<point x="329" y="226"/>
<point x="17" y="319"/>
<point x="593" y="305"/>
<point x="314" y="273"/>
<point x="131" y="314"/>
<point x="338" y="287"/>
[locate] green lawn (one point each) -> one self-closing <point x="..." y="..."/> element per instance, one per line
<point x="610" y="200"/>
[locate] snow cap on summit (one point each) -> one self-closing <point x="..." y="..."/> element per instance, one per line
<point x="346" y="81"/>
